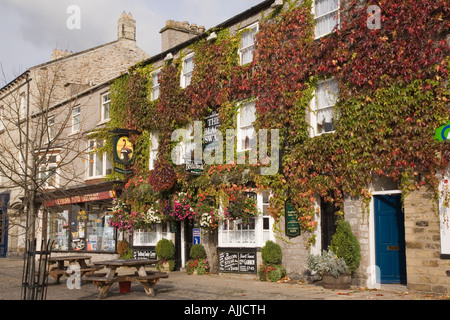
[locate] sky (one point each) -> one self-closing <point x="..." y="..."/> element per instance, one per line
<point x="32" y="29"/>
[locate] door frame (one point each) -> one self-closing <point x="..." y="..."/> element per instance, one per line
<point x="373" y="280"/>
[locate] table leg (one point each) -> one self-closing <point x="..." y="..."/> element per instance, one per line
<point x="111" y="273"/>
<point x="103" y="290"/>
<point x="148" y="287"/>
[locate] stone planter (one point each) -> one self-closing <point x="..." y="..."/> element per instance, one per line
<point x="342" y="282"/>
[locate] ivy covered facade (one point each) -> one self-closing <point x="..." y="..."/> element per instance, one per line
<point x="355" y="108"/>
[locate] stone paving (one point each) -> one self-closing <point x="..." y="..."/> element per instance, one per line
<point x="180" y="286"/>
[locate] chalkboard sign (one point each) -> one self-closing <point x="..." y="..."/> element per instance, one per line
<point x="237" y="261"/>
<point x="144" y="254"/>
<point x="247" y="262"/>
<point x="292" y="226"/>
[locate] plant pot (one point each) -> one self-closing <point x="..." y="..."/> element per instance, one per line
<point x="344" y="281"/>
<point x="124" y="286"/>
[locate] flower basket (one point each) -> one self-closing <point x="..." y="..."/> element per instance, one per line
<point x="124" y="286"/>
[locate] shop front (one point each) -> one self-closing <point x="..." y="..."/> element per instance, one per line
<point x="81" y="223"/>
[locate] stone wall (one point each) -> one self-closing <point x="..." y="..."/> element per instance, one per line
<point x="294" y="251"/>
<point x="356" y="215"/>
<point x="426" y="271"/>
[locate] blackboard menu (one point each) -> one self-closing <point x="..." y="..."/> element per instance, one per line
<point x="237" y="261"/>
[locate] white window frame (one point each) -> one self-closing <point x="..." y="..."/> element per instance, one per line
<point x="261" y="235"/>
<point x="76" y="119"/>
<point x="45" y="168"/>
<point x="315" y="109"/>
<point x="94" y="158"/>
<point x="187" y="143"/>
<point x="184" y="74"/>
<point x="51" y="128"/>
<point x="155" y="85"/>
<point x="240" y="130"/>
<point x="106" y="117"/>
<point x="331" y="13"/>
<point x="253" y="29"/>
<point x="140" y="237"/>
<point x="154" y="145"/>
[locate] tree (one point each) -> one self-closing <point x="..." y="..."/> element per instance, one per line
<point x="41" y="134"/>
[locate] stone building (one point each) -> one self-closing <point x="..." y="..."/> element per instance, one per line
<point x="402" y="239"/>
<point x="47" y="114"/>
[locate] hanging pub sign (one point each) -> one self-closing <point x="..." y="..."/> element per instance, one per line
<point x="212" y="123"/>
<point x="123" y="150"/>
<point x="292" y="225"/>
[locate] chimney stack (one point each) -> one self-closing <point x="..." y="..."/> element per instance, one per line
<point x="126" y="27"/>
<point x="176" y="32"/>
<point x="57" y="54"/>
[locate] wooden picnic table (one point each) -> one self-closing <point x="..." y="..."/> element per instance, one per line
<point x="104" y="281"/>
<point x="61" y="269"/>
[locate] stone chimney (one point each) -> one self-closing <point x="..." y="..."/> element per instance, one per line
<point x="176" y="32"/>
<point x="126" y="28"/>
<point x="57" y="54"/>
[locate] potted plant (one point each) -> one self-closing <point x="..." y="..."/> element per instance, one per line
<point x="329" y="268"/>
<point x="346" y="245"/>
<point x="198" y="265"/>
<point x="165" y="251"/>
<point x="271" y="268"/>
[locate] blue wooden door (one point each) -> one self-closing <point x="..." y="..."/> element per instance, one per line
<point x="390" y="238"/>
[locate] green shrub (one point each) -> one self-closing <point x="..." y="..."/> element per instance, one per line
<point x="346" y="245"/>
<point x="271" y="253"/>
<point x="165" y="249"/>
<point x="197" y="252"/>
<point x="272" y="272"/>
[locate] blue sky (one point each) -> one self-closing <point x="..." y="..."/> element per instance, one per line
<point x="31" y="29"/>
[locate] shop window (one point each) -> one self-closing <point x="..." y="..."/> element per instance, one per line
<point x="76" y="229"/>
<point x="58" y="228"/>
<point x="247" y="45"/>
